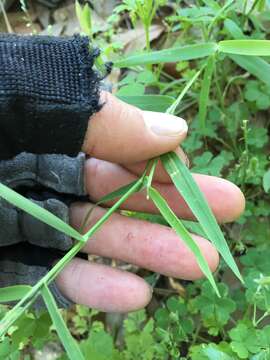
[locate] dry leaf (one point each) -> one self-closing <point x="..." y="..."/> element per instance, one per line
<point x="134" y="39"/>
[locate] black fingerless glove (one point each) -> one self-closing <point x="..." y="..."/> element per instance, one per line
<point x="48" y="91"/>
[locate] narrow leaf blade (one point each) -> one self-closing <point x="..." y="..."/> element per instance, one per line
<point x="191" y="193"/>
<point x="109" y="197"/>
<point x="39" y="213"/>
<point x="70" y="345"/>
<point x="13" y="293"/>
<point x="254" y="65"/>
<point x="173" y="107"/>
<point x="117" y="193"/>
<point x="179" y="228"/>
<point x="189" y="52"/>
<point x="133" y="188"/>
<point x="245" y="47"/>
<point x="205" y="90"/>
<point x="234" y="30"/>
<point x="149" y="102"/>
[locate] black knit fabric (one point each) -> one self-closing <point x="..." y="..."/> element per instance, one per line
<point x="48" y="91"/>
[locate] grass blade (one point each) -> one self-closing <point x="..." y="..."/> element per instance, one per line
<point x="13" y="293"/>
<point x="149" y="102"/>
<point x="219" y="14"/>
<point x="204" y="94"/>
<point x="189" y="52"/>
<point x="173" y="107"/>
<point x="118" y="193"/>
<point x="179" y="228"/>
<point x="72" y="348"/>
<point x="139" y="185"/>
<point x="254" y="65"/>
<point x="194" y="227"/>
<point x="149" y="178"/>
<point x="39" y="213"/>
<point x="191" y="193"/>
<point x="233" y="29"/>
<point x="245" y="47"/>
<point x="109" y="197"/>
<point x="83" y="13"/>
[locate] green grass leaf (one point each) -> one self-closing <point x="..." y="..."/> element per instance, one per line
<point x="13" y="293"/>
<point x="132" y="188"/>
<point x="204" y="94"/>
<point x="84" y="15"/>
<point x="150" y="177"/>
<point x="173" y="107"/>
<point x="191" y="193"/>
<point x="39" y="213"/>
<point x="248" y="47"/>
<point x="109" y="197"/>
<point x="179" y="228"/>
<point x="189" y="52"/>
<point x="119" y="192"/>
<point x="255" y="66"/>
<point x="149" y="102"/>
<point x="233" y="29"/>
<point x="72" y="348"/>
<point x="219" y="14"/>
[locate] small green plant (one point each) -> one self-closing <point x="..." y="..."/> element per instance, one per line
<point x="85" y="18"/>
<point x="144" y="10"/>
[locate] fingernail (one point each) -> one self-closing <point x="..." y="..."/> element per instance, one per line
<point x="165" y="124"/>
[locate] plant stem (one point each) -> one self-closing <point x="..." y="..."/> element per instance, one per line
<point x="252" y="8"/>
<point x="217" y="16"/>
<point x="254" y="315"/>
<point x="147" y="38"/>
<point x="245" y="6"/>
<point x="261" y="318"/>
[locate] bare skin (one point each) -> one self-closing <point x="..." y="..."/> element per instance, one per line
<point x="120" y="139"/>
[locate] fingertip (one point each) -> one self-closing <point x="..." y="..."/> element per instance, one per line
<point x="146" y="292"/>
<point x="238" y="198"/>
<point x="210" y="254"/>
<point x="225" y="198"/>
<point x="102" y="287"/>
<point x="234" y="201"/>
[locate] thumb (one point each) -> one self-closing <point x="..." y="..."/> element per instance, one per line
<point x="125" y="134"/>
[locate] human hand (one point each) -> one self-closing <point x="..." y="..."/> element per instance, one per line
<point x="120" y="140"/>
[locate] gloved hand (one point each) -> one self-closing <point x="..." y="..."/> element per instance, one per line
<point x="28" y="246"/>
<point x="68" y="115"/>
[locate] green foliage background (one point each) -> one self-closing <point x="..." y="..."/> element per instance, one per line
<point x="228" y="113"/>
